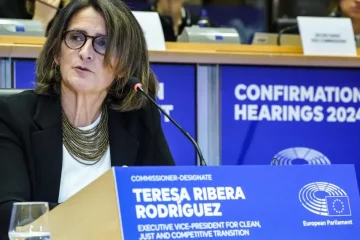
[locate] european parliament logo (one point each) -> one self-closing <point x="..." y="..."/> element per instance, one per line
<point x="299" y="155"/>
<point x="325" y="199"/>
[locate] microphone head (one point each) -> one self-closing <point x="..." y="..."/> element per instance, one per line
<point x="134" y="83"/>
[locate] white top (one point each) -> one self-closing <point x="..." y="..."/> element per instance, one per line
<point x="75" y="176"/>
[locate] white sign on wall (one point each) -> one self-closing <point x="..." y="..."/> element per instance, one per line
<point x="152" y="28"/>
<point x="327" y="36"/>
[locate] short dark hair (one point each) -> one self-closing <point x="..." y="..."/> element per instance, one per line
<point x="126" y="43"/>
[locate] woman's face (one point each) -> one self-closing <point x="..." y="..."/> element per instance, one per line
<point x="83" y="70"/>
<point x="350" y="8"/>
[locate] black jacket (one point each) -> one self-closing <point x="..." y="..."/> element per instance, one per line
<point x="31" y="147"/>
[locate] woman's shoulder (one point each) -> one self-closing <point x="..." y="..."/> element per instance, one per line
<point x="18" y="97"/>
<point x="22" y="109"/>
<point x="148" y="116"/>
<point x="16" y="108"/>
<point x="19" y="102"/>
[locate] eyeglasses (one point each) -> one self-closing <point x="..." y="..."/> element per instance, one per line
<point x="75" y="40"/>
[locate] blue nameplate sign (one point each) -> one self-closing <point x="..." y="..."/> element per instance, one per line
<point x="229" y="202"/>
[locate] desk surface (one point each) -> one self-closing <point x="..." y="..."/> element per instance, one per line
<point x="30" y="47"/>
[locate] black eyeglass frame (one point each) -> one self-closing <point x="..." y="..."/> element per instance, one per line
<point x="65" y="33"/>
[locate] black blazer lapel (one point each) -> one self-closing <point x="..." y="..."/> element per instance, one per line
<point x="123" y="145"/>
<point x="47" y="148"/>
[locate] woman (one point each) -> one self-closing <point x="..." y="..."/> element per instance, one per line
<point x="350" y="9"/>
<point x="174" y="17"/>
<point x="40" y="10"/>
<point x="82" y="118"/>
<point x="45" y="10"/>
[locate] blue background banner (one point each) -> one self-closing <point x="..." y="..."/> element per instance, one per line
<point x="229" y="202"/>
<point x="177" y="95"/>
<point x="298" y="115"/>
<point x="24" y="73"/>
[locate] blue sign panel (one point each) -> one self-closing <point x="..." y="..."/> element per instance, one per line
<point x="229" y="202"/>
<point x="24" y="74"/>
<point x="296" y="115"/>
<point x="176" y="95"/>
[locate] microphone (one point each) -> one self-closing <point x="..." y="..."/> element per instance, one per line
<point x="136" y="85"/>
